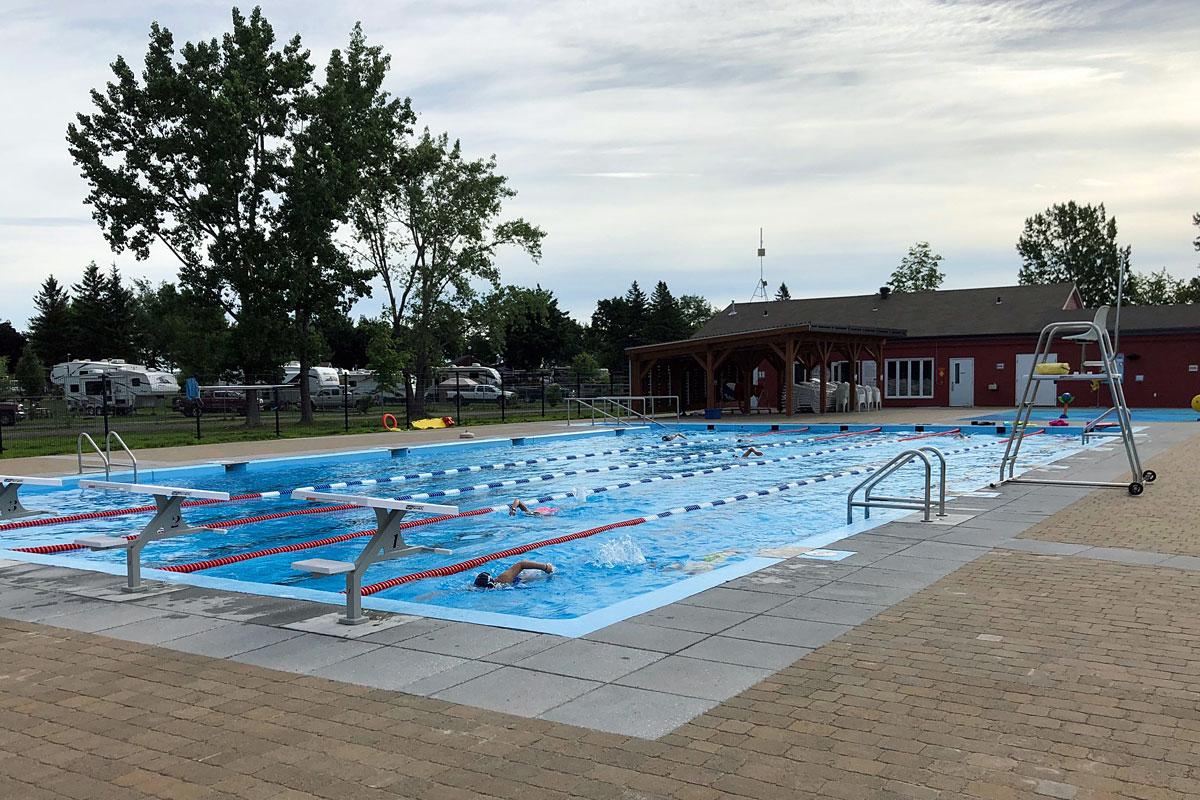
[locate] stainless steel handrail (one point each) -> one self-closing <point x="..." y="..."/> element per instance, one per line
<point x="925" y="504"/>
<point x="108" y="440"/>
<point x="84" y="436"/>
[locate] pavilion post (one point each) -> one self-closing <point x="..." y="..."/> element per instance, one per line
<point x="788" y="375"/>
<point x="710" y="391"/>
<point x="854" y="353"/>
<point x="823" y="351"/>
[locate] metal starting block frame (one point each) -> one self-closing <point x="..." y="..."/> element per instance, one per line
<point x="10" y="503"/>
<point x="167" y="523"/>
<point x="386" y="543"/>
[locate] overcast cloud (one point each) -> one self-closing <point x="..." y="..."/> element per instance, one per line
<point x="652" y="140"/>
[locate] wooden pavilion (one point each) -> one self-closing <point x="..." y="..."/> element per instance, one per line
<point x="697" y="369"/>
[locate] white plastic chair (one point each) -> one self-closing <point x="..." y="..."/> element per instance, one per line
<point x="841" y="397"/>
<point x="1101" y="320"/>
<point x="860" y="397"/>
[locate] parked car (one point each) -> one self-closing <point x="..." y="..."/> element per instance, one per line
<point x="480" y="393"/>
<point x="11" y="412"/>
<point x="328" y="398"/>
<point x="227" y="401"/>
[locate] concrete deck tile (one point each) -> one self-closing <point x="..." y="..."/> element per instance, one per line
<point x="839" y="612"/>
<point x="862" y="593"/>
<point x="628" y="711"/>
<point x="930" y="566"/>
<point x="513" y="690"/>
<point x="783" y="630"/>
<point x="226" y="605"/>
<point x="1123" y="556"/>
<point x="734" y="600"/>
<point x="31" y="605"/>
<point x="774" y="584"/>
<point x="525" y="649"/>
<point x="157" y="630"/>
<point x="467" y="641"/>
<point x="305" y="653"/>
<point x="290" y="612"/>
<point x="391" y="668"/>
<point x="978" y="537"/>
<point x="107" y="615"/>
<point x="1046" y="548"/>
<point x="646" y="636"/>
<point x="693" y="677"/>
<point x="230" y="640"/>
<point x="597" y="661"/>
<point x="409" y="630"/>
<point x="917" y="531"/>
<point x="896" y="578"/>
<point x="948" y="551"/>
<point x="453" y="676"/>
<point x="330" y="624"/>
<point x="693" y="618"/>
<point x="766" y="655"/>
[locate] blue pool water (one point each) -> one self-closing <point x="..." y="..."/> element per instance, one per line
<point x="598" y="579"/>
<point x="1079" y="416"/>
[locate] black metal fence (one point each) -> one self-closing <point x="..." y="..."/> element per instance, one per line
<point x="52" y="424"/>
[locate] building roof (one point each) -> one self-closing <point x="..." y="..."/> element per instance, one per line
<point x="1147" y="319"/>
<point x="951" y="312"/>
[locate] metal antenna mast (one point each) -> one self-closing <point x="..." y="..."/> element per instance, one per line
<point x="760" y="288"/>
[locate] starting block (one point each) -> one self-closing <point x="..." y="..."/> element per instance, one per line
<point x="386" y="543"/>
<point x="10" y="504"/>
<point x="166" y="523"/>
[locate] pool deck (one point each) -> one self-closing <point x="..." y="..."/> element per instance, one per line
<point x="1040" y="643"/>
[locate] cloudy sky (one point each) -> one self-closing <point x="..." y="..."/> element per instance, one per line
<point x="652" y="140"/>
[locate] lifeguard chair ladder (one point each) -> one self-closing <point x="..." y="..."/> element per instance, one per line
<point x="1103" y="370"/>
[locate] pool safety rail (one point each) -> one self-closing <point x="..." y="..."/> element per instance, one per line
<point x="167" y="522"/>
<point x="10" y="503"/>
<point x="870" y="500"/>
<point x="617" y="408"/>
<point x="386" y="543"/>
<point x="105" y="456"/>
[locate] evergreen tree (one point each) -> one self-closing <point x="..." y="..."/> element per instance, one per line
<point x="664" y="317"/>
<point x="918" y="270"/>
<point x="120" y="335"/>
<point x="783" y="293"/>
<point x="50" y="330"/>
<point x="12" y="343"/>
<point x="30" y="374"/>
<point x="1077" y="244"/>
<point x="89" y="316"/>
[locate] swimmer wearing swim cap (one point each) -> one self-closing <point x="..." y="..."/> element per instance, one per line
<point x="510" y="576"/>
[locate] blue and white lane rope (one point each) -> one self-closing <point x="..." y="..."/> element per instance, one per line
<point x="552" y="476"/>
<point x="711" y="471"/>
<point x="437" y="473"/>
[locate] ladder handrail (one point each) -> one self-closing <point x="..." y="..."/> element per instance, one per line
<point x="580" y="401"/>
<point x="85" y="436"/>
<point x="867" y="485"/>
<point x="632" y="413"/>
<point x="108" y="440"/>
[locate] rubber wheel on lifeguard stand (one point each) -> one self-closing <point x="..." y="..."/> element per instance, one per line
<point x="1149" y="476"/>
<point x="1136" y="488"/>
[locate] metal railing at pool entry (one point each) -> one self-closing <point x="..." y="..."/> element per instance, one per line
<point x="386" y="543"/>
<point x="925" y="504"/>
<point x="618" y="408"/>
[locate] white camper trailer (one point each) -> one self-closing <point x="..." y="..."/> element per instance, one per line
<point x="130" y="386"/>
<point x="318" y="378"/>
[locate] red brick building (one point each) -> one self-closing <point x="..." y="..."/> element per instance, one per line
<point x="963" y="347"/>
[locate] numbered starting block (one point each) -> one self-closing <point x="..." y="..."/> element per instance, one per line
<point x="386" y="543"/>
<point x="167" y="522"/>
<point x="10" y="503"/>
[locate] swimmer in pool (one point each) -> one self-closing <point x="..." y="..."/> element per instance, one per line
<point x="519" y="505"/>
<point x="510" y="576"/>
<point x="752" y="451"/>
<point x="672" y="436"/>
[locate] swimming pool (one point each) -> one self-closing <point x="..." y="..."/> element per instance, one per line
<point x="1080" y="415"/>
<point x="701" y="515"/>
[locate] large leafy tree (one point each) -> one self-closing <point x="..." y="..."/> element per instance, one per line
<point x="527" y="328"/>
<point x="30" y="373"/>
<point x="1074" y="243"/>
<point x="195" y="154"/>
<point x="50" y="327"/>
<point x="12" y="343"/>
<point x="918" y="270"/>
<point x="430" y="226"/>
<point x="696" y="311"/>
<point x="184" y="329"/>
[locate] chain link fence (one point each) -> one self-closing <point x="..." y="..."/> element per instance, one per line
<point x="52" y="424"/>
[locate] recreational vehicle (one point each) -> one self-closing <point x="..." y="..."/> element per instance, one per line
<point x="130" y="386"/>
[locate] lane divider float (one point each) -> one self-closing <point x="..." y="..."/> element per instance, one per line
<point x="119" y="512"/>
<point x="951" y="432"/>
<point x="844" y="435"/>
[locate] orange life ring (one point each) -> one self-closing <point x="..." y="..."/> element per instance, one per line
<point x="449" y="421"/>
<point x="395" y="426"/>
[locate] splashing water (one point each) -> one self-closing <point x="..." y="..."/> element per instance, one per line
<point x="620" y="552"/>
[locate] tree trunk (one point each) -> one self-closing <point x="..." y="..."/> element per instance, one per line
<point x="303" y="323"/>
<point x="253" y="417"/>
<point x="421" y="372"/>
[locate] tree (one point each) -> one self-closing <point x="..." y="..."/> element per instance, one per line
<point x="783" y="293"/>
<point x="30" y="374"/>
<point x="50" y="328"/>
<point x="184" y="329"/>
<point x="12" y="343"/>
<point x="618" y="323"/>
<point x="431" y="232"/>
<point x="194" y="154"/>
<point x="664" y="317"/>
<point x="584" y="366"/>
<point x="1076" y="244"/>
<point x="120" y="335"/>
<point x="1155" y="288"/>
<point x="533" y="331"/>
<point x="89" y="315"/>
<point x="696" y="311"/>
<point x="918" y="270"/>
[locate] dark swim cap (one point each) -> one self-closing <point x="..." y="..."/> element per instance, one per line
<point x="484" y="581"/>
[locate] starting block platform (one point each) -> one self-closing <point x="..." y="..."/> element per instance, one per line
<point x="10" y="503"/>
<point x="386" y="543"/>
<point x="166" y="523"/>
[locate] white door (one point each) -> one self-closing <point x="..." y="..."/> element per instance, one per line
<point x="962" y="381"/>
<point x="1045" y="389"/>
<point x="869" y="373"/>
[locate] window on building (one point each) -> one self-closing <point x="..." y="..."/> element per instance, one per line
<point x="909" y="378"/>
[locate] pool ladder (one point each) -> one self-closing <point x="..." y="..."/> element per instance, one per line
<point x="870" y="500"/>
<point x="105" y="457"/>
